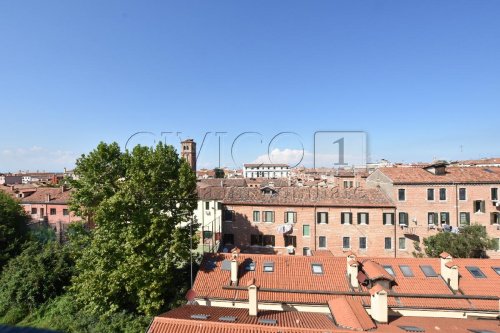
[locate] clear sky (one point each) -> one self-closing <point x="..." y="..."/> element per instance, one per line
<point x="421" y="78"/>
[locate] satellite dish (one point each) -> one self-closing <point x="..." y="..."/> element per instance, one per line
<point x="190" y="295"/>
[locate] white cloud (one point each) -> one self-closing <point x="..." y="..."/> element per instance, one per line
<point x="36" y="158"/>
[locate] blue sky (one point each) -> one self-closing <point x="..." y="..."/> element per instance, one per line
<point x="421" y="78"/>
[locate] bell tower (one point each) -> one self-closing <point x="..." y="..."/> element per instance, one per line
<point x="188" y="152"/>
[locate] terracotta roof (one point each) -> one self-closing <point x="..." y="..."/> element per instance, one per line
<point x="307" y="196"/>
<point x="282" y="286"/>
<point x="374" y="271"/>
<point x="445" y="255"/>
<point x="350" y="314"/>
<point x="222" y="182"/>
<point x="417" y="175"/>
<point x="38" y="194"/>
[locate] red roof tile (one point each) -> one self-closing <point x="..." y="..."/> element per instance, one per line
<point x="417" y="175"/>
<point x="349" y="313"/>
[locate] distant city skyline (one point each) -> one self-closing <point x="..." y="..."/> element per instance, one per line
<point x="420" y="78"/>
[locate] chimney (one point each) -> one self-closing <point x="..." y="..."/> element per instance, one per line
<point x="449" y="271"/>
<point x="47" y="197"/>
<point x="234" y="268"/>
<point x="378" y="307"/>
<point x="253" y="304"/>
<point x="352" y="270"/>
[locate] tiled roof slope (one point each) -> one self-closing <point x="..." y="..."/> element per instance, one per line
<point x="295" y="274"/>
<point x="417" y="175"/>
<point x="350" y="314"/>
<point x="308" y="196"/>
<point x="39" y="194"/>
<point x="180" y="321"/>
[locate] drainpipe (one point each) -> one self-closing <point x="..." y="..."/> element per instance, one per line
<point x="315" y="225"/>
<point x="395" y="236"/>
<point x="456" y="204"/>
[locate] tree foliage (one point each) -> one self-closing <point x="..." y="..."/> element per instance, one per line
<point x="37" y="275"/>
<point x="13" y="228"/>
<point x="470" y="242"/>
<point x="142" y="202"/>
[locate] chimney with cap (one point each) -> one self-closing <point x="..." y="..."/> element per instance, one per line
<point x="449" y="271"/>
<point x="352" y="270"/>
<point x="378" y="307"/>
<point x="253" y="304"/>
<point x="47" y="198"/>
<point x="234" y="267"/>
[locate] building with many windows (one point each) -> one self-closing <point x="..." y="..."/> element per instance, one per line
<point x="266" y="170"/>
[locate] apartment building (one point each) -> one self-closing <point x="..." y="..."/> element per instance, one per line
<point x="299" y="220"/>
<point x="266" y="170"/>
<point x="440" y="198"/>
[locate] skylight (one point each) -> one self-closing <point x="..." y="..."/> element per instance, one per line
<point x="228" y="318"/>
<point x="480" y="331"/>
<point x="389" y="269"/>
<point x="210" y="264"/>
<point x="200" y="316"/>
<point x="269" y="267"/>
<point x="268" y="321"/>
<point x="428" y="271"/>
<point x="476" y="272"/>
<point x="250" y="266"/>
<point x="496" y="269"/>
<point x="317" y="268"/>
<point x="411" y="329"/>
<point x="406" y="270"/>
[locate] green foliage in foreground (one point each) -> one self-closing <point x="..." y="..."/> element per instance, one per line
<point x="471" y="242"/>
<point x="13" y="228"/>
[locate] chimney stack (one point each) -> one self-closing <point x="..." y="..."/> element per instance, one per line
<point x="352" y="269"/>
<point x="449" y="271"/>
<point x="234" y="267"/>
<point x="253" y="304"/>
<point x="48" y="197"/>
<point x="378" y="308"/>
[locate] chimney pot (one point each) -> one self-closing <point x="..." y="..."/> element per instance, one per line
<point x="378" y="304"/>
<point x="449" y="271"/>
<point x="253" y="304"/>
<point x="234" y="270"/>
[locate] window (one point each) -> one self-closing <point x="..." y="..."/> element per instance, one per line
<point x="430" y="194"/>
<point x="228" y="215"/>
<point x="53" y="211"/>
<point x="479" y="206"/>
<point x="464" y="218"/>
<point x="268" y="267"/>
<point x="269" y="240"/>
<point x="322" y="217"/>
<point x="290" y="241"/>
<point x="495" y="218"/>
<point x="496" y="269"/>
<point x="476" y="272"/>
<point x="290" y="217"/>
<point x="480" y="331"/>
<point x="322" y="242"/>
<point x="346" y="218"/>
<point x="442" y="194"/>
<point x="388" y="218"/>
<point x="444" y="217"/>
<point x="228" y="239"/>
<point x="402" y="243"/>
<point x="257" y="240"/>
<point x="34" y="211"/>
<point x="432" y="218"/>
<point x="346" y="242"/>
<point x="207" y="204"/>
<point x="207" y="234"/>
<point x="494" y="193"/>
<point x="65" y="212"/>
<point x="362" y="243"/>
<point x="389" y="269"/>
<point x="462" y="194"/>
<point x="268" y="216"/>
<point x="406" y="270"/>
<point x="249" y="265"/>
<point x="388" y="243"/>
<point x="403" y="218"/>
<point x="348" y="184"/>
<point x="256" y="216"/>
<point x="401" y="194"/>
<point x="363" y="218"/>
<point x="317" y="268"/>
<point x="306" y="230"/>
<point x="428" y="271"/>
<point x="219" y="206"/>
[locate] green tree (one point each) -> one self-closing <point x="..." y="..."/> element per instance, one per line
<point x="219" y="173"/>
<point x="470" y="242"/>
<point x="142" y="237"/>
<point x="37" y="275"/>
<point x="13" y="228"/>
